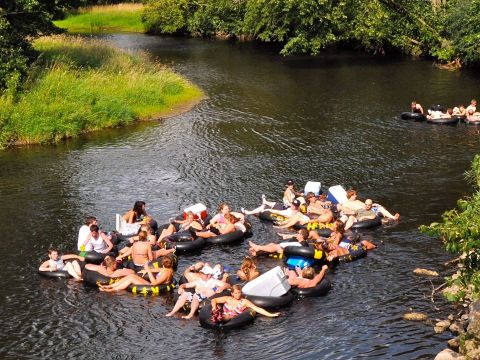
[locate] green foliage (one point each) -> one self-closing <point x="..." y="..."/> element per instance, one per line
<point x="460" y="229"/>
<point x="415" y="27"/>
<point x="80" y="85"/>
<point x="462" y="26"/>
<point x="166" y="16"/>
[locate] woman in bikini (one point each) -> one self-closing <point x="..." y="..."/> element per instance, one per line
<point x="234" y="305"/>
<point x="164" y="275"/>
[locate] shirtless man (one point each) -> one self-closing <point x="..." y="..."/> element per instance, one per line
<point x="416" y="108"/>
<point x="305" y="278"/>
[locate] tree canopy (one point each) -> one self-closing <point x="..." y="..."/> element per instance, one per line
<point x="444" y="30"/>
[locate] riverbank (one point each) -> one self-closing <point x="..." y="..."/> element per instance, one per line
<point x="81" y="85"/>
<point x="106" y="18"/>
<point x="459" y="230"/>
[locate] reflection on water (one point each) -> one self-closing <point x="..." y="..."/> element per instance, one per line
<point x="332" y="118"/>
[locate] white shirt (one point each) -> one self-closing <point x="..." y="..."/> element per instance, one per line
<point x="82" y="235"/>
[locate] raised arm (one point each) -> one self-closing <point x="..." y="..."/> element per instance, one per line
<point x="219" y="300"/>
<point x="319" y="277"/>
<point x="108" y="242"/>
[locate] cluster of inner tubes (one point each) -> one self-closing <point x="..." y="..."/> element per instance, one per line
<point x="183" y="243"/>
<point x="454" y="119"/>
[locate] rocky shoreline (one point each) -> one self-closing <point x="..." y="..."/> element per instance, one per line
<point x="465" y="325"/>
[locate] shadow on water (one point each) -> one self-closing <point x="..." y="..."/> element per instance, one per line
<point x="332" y="118"/>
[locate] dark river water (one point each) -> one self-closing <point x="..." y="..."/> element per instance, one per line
<point x="333" y="118"/>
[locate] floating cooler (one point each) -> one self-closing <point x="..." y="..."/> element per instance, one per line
<point x="299" y="261"/>
<point x="199" y="211"/>
<point x="272" y="283"/>
<point x="312" y="186"/>
<point x="337" y="194"/>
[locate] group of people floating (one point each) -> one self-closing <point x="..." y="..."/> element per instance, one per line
<point x="469" y="113"/>
<point x="129" y="259"/>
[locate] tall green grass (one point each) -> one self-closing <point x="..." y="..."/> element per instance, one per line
<point x="107" y="18"/>
<point x="81" y="85"/>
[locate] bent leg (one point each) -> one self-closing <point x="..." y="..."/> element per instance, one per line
<point x="179" y="304"/>
<point x="193" y="307"/>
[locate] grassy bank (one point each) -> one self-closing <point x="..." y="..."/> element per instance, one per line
<point x="81" y="85"/>
<point x="108" y="18"/>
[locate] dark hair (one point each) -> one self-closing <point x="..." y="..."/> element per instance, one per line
<point x="138" y="207"/>
<point x="340" y="226"/>
<point x="94" y="228"/>
<point x="303" y="233"/>
<point x="52" y="249"/>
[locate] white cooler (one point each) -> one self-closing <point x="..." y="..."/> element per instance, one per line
<point x="199" y="210"/>
<point x="272" y="283"/>
<point x="312" y="186"/>
<point x="337" y="194"/>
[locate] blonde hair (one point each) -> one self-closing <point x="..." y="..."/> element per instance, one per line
<point x="308" y="272"/>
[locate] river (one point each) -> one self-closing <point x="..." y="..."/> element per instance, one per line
<point x="332" y="118"/>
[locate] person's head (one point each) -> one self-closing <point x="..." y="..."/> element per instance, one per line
<point x="247" y="265"/>
<point x="139" y="207"/>
<point x="338" y="226"/>
<point x="461" y="107"/>
<point x="89" y="220"/>
<point x="206" y="272"/>
<point x="236" y="292"/>
<point x="368" y="204"/>
<point x="110" y="263"/>
<point x="302" y="234"/>
<point x="190" y="215"/>
<point x="470" y="112"/>
<point x="167" y="262"/>
<point x="450" y="111"/>
<point x="94" y="229"/>
<point x="308" y="272"/>
<point x="296" y="203"/>
<point x="351" y="194"/>
<point x="310" y="197"/>
<point x="290" y="183"/>
<point x="142" y="235"/>
<point x="53" y="254"/>
<point x="148" y="229"/>
<point x="223" y="208"/>
<point x="473" y="102"/>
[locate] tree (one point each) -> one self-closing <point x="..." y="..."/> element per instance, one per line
<point x="20" y="22"/>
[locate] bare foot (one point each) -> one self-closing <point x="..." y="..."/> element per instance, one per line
<point x="169" y="314"/>
<point x="187" y="317"/>
<point x="252" y="252"/>
<point x="397" y="216"/>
